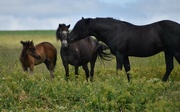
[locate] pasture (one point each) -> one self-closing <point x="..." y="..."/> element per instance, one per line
<point x="20" y="91"/>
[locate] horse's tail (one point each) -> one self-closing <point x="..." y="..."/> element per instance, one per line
<point x="102" y="52"/>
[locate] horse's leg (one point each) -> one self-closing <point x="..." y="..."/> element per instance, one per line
<point x="51" y="70"/>
<point x="92" y="64"/>
<point x="76" y="71"/>
<point x="169" y="65"/>
<point x="119" y="61"/>
<point x="31" y="67"/>
<point x="50" y="67"/>
<point x="127" y="66"/>
<point x="66" y="67"/>
<point x="177" y="56"/>
<point x="25" y="68"/>
<point x="85" y="67"/>
<point x="51" y="73"/>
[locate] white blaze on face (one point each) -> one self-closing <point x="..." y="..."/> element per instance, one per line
<point x="64" y="42"/>
<point x="64" y="33"/>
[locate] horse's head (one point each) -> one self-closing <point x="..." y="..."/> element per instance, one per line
<point x="62" y="34"/>
<point x="30" y="49"/>
<point x="80" y="30"/>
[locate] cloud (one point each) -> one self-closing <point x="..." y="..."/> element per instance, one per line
<point x="45" y="14"/>
<point x="27" y="23"/>
<point x="144" y="11"/>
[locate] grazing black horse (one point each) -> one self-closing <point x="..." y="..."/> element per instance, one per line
<point x="79" y="53"/>
<point x="125" y="39"/>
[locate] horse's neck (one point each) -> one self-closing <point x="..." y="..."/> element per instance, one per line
<point x="100" y="32"/>
<point x="66" y="50"/>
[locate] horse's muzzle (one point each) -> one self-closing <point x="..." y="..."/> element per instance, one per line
<point x="64" y="43"/>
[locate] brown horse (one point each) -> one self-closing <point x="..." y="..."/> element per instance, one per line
<point x="32" y="55"/>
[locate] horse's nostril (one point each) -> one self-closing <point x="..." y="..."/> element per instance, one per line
<point x="64" y="45"/>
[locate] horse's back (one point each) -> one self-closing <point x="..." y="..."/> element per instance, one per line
<point x="46" y="50"/>
<point x="80" y="52"/>
<point x="46" y="46"/>
<point x="145" y="40"/>
<point x="86" y="47"/>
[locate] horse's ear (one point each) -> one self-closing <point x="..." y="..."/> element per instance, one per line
<point x="68" y="26"/>
<point x="86" y="20"/>
<point x="60" y="25"/>
<point x="32" y="42"/>
<point x="22" y="42"/>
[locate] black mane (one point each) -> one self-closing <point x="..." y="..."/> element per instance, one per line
<point x="112" y="20"/>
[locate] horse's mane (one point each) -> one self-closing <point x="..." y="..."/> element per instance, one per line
<point x="57" y="32"/>
<point x="28" y="43"/>
<point x="107" y="19"/>
<point x="110" y="19"/>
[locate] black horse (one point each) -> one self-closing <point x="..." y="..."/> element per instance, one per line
<point x="79" y="53"/>
<point x="125" y="39"/>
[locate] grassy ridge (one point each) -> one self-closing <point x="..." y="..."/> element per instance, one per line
<point x="109" y="92"/>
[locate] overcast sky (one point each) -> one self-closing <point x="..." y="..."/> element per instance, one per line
<point x="47" y="14"/>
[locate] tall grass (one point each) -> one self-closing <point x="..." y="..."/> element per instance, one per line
<point x="20" y="91"/>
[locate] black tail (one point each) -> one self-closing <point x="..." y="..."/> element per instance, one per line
<point x="103" y="53"/>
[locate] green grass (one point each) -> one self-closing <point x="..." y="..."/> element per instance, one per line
<point x="109" y="92"/>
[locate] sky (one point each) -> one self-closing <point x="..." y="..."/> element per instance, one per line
<point x="47" y="14"/>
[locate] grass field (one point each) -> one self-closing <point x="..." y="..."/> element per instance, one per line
<point x="146" y="92"/>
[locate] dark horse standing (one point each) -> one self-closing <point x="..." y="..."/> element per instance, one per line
<point x="32" y="55"/>
<point x="79" y="53"/>
<point x="125" y="39"/>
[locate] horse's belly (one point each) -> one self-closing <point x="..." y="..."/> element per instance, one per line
<point x="145" y="48"/>
<point x="37" y="62"/>
<point x="144" y="52"/>
<point x="76" y="61"/>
